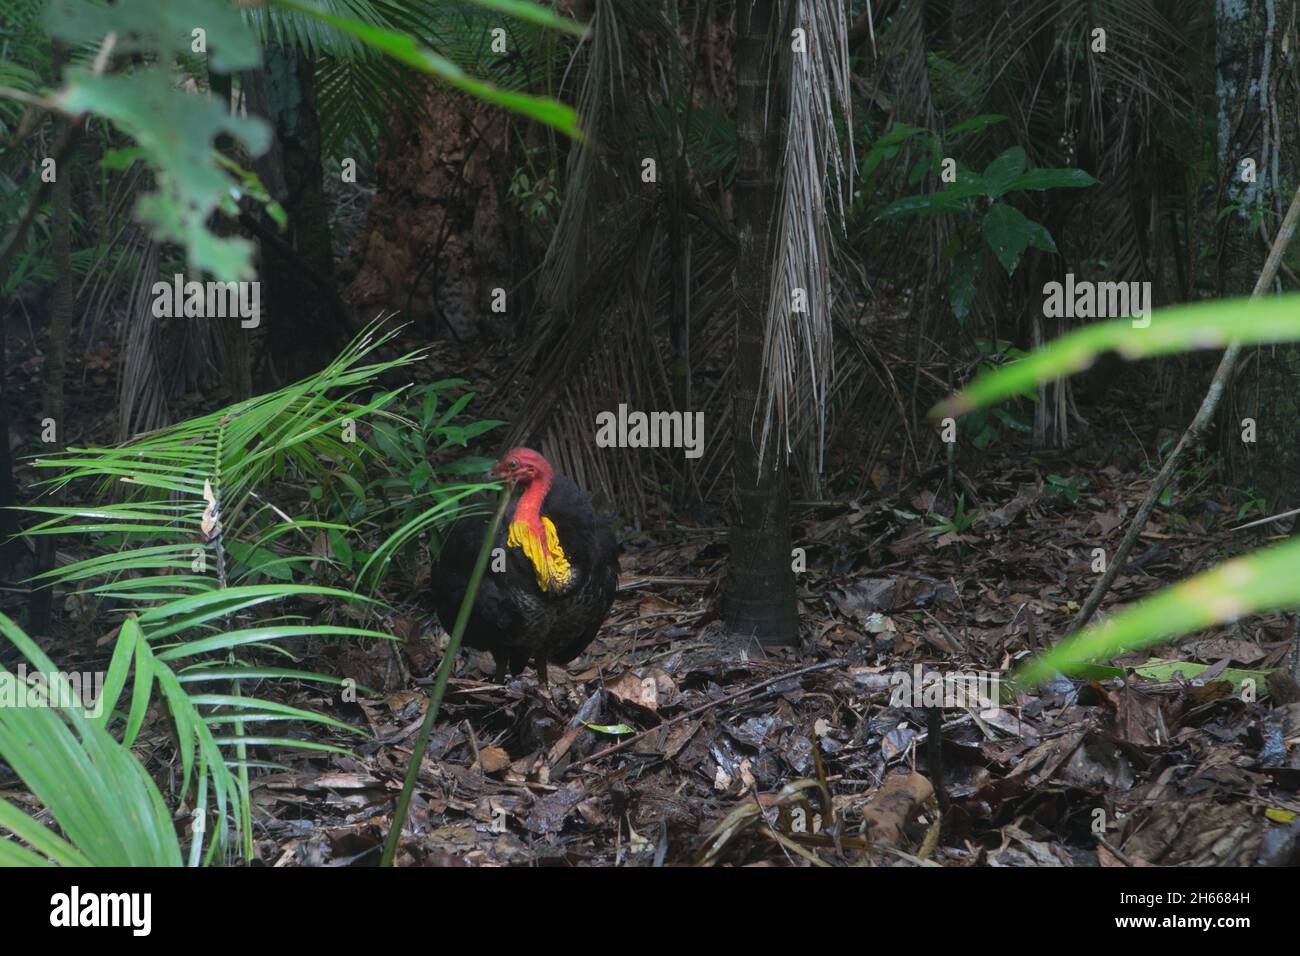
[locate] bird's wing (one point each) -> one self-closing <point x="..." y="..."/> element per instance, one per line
<point x="495" y="614"/>
<point x="595" y="597"/>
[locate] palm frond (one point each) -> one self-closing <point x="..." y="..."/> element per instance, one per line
<point x="173" y="501"/>
<point x="799" y="339"/>
<point x="362" y="93"/>
<point x="101" y="798"/>
<point x="611" y="114"/>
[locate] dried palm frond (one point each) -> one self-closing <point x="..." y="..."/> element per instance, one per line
<point x="623" y="36"/>
<point x="612" y="280"/>
<point x="798" y="344"/>
<point x="141" y="398"/>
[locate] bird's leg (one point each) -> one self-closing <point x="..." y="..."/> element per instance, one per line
<point x="540" y="663"/>
<point x="503" y="666"/>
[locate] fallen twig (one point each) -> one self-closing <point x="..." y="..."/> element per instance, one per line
<point x="824" y="665"/>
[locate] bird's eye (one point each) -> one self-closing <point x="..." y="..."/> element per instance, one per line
<point x="513" y="463"/>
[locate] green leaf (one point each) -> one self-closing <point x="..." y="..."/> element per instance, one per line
<point x="142" y="688"/>
<point x="420" y="475"/>
<point x="1264" y="581"/>
<point x="1004" y="170"/>
<point x="534" y="13"/>
<point x="1051" y="179"/>
<point x="609" y="728"/>
<point x="100" y="797"/>
<point x="341" y="549"/>
<point x="455" y="409"/>
<point x="261" y="635"/>
<point x="49" y="846"/>
<point x="118" y="159"/>
<point x="1167" y="670"/>
<point x="265" y="708"/>
<point x="919" y="169"/>
<point x="175" y="130"/>
<point x="975" y="123"/>
<point x="961" y="284"/>
<point x="409" y="50"/>
<point x="1175" y="329"/>
<point x="875" y="156"/>
<point x="163" y="29"/>
<point x="929" y="204"/>
<point x="1009" y="233"/>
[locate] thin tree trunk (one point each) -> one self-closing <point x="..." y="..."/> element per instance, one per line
<point x="56" y="357"/>
<point x="11" y="547"/>
<point x="232" y="336"/>
<point x="760" y="588"/>
<point x="306" y="325"/>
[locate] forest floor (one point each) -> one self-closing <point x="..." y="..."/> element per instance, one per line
<point x="667" y="744"/>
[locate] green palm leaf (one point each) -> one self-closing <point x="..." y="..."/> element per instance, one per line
<point x="95" y="790"/>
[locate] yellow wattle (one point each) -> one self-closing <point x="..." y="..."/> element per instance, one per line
<point x="550" y="563"/>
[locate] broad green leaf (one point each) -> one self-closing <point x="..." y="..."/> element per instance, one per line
<point x="1008" y="233"/>
<point x="961" y="284"/>
<point x="176" y="130"/>
<point x="929" y="204"/>
<point x="1158" y="669"/>
<point x="1163" y="670"/>
<point x="1051" y="179"/>
<point x="165" y="29"/>
<point x="49" y="845"/>
<point x="999" y="174"/>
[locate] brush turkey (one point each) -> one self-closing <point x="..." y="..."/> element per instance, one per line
<point x="558" y="580"/>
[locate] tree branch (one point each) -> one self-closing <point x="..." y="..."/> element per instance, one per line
<point x="1200" y="422"/>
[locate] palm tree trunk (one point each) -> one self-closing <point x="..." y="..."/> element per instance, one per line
<point x="760" y="589"/>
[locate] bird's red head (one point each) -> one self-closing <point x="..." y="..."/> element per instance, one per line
<point x="522" y="466"/>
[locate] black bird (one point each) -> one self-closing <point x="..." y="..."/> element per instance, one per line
<point x="548" y="598"/>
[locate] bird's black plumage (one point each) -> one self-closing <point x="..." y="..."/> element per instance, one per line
<point x="513" y="617"/>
